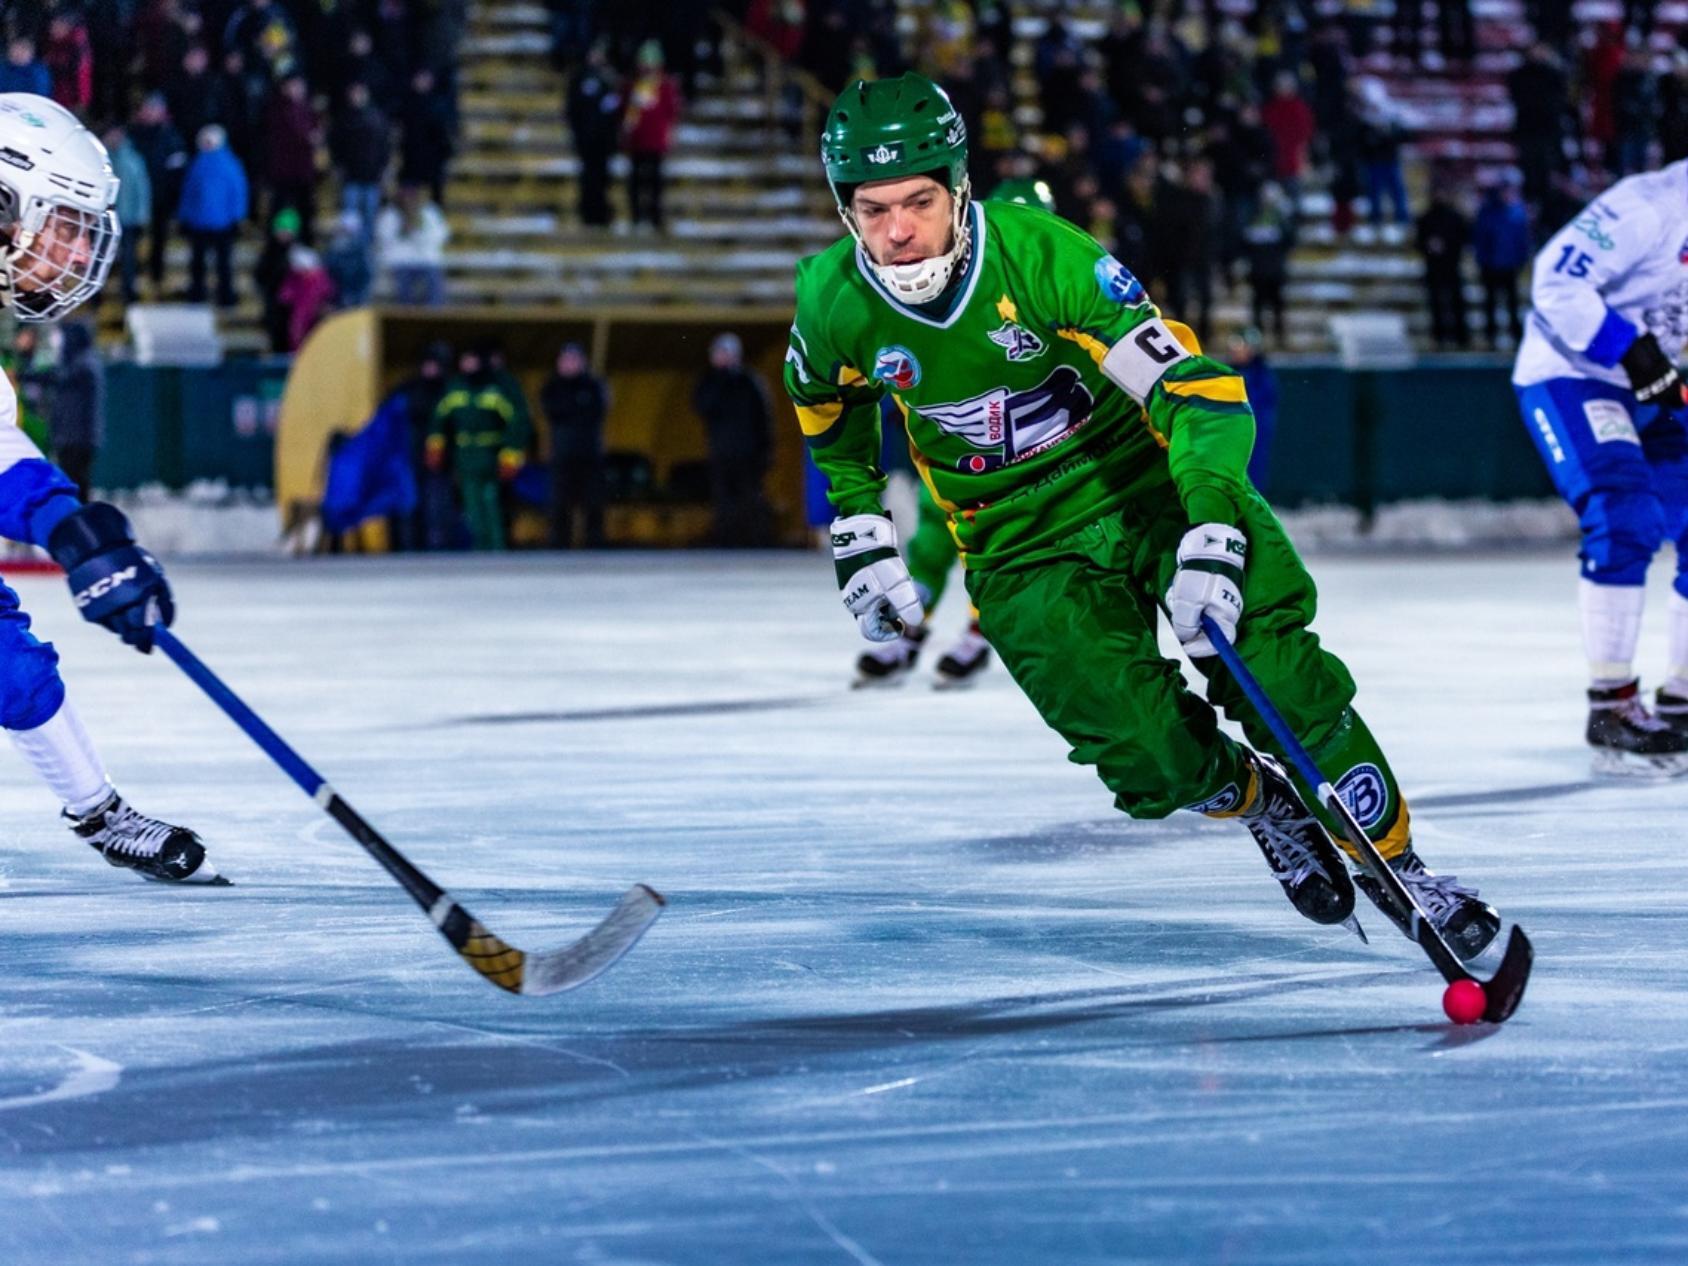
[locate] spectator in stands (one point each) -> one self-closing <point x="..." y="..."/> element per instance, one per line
<point x="1443" y="232"/>
<point x="653" y="108"/>
<point x="193" y="94"/>
<point x="1500" y="241"/>
<point x="166" y="156"/>
<point x="1540" y="93"/>
<point x="1635" y="113"/>
<point x="1241" y="152"/>
<point x="427" y="129"/>
<point x="1138" y="225"/>
<point x="22" y="72"/>
<point x="111" y="45"/>
<point x="410" y="238"/>
<point x="292" y="132"/>
<point x="348" y="260"/>
<point x="133" y="207"/>
<point x="305" y="295"/>
<point x="240" y="95"/>
<point x="573" y="33"/>
<point x="1189" y="239"/>
<point x="1267" y="241"/>
<point x="76" y="414"/>
<point x="738" y="425"/>
<point x="477" y="436"/>
<point x="594" y="118"/>
<point x="263" y="34"/>
<point x="271" y="270"/>
<point x="362" y="145"/>
<point x="1328" y="56"/>
<point x="1455" y="38"/>
<point x="1245" y="352"/>
<point x="361" y="65"/>
<point x="69" y="58"/>
<point x="1381" y="131"/>
<point x="574" y="401"/>
<point x="1600" y="67"/>
<point x="214" y="202"/>
<point x="1289" y="120"/>
<point x="1551" y="21"/>
<point x="1116" y="152"/>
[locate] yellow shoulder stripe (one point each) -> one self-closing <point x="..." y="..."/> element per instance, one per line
<point x="1185" y="335"/>
<point x="849" y="376"/>
<point x="1226" y="390"/>
<point x="816" y="419"/>
<point x="1089" y="342"/>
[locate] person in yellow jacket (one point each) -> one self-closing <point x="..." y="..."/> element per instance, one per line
<point x="480" y="434"/>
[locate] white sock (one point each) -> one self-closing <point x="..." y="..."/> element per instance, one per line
<point x="63" y="754"/>
<point x="1611" y="621"/>
<point x="1678" y="683"/>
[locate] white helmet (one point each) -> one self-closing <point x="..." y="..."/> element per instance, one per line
<point x="56" y="195"/>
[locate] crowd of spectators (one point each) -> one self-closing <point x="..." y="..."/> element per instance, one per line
<point x="229" y="119"/>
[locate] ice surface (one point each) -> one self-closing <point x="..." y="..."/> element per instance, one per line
<point x="921" y="995"/>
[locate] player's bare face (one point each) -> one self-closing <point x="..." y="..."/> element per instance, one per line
<point x="59" y="254"/>
<point x="904" y="221"/>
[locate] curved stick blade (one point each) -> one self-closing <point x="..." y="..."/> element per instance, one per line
<point x="1505" y="989"/>
<point x="575" y="964"/>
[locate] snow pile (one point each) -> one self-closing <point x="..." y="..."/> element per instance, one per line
<point x="1433" y="524"/>
<point x="208" y="517"/>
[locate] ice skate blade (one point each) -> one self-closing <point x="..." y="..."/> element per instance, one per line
<point x="1614" y="764"/>
<point x="216" y="881"/>
<point x="954" y="683"/>
<point x="1352" y="923"/>
<point x="879" y="683"/>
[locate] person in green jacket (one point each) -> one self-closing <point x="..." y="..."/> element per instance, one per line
<point x="1092" y="462"/>
<point x="481" y="435"/>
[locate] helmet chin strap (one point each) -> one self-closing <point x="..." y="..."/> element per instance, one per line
<point x="925" y="279"/>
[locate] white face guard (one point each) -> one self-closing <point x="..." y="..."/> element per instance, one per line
<point x="925" y="279"/>
<point x="58" y="258"/>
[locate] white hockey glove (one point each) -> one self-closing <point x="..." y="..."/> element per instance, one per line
<point x="1209" y="581"/>
<point x="873" y="577"/>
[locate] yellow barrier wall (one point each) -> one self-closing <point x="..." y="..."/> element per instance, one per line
<point x="651" y="359"/>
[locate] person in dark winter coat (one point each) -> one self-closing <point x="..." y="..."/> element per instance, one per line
<point x="1246" y="353"/>
<point x="1443" y="232"/>
<point x="574" y="401"/>
<point x="428" y="127"/>
<point x="361" y="143"/>
<point x="431" y="525"/>
<point x="292" y="132"/>
<point x="166" y="156"/>
<point x="594" y="119"/>
<point x="733" y="404"/>
<point x="214" y="202"/>
<point x="1500" y="240"/>
<point x="76" y="415"/>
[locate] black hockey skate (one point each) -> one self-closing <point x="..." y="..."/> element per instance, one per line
<point x="1466" y="923"/>
<point x="888" y="663"/>
<point x="1671" y="709"/>
<point x="152" y="849"/>
<point x="963" y="662"/>
<point x="1629" y="740"/>
<point x="1297" y="848"/>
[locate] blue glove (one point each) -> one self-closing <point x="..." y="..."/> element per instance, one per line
<point x="113" y="581"/>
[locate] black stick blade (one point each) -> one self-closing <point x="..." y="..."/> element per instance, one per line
<point x="1505" y="989"/>
<point x="575" y="964"/>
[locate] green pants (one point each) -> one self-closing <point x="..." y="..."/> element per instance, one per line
<point x="483" y="510"/>
<point x="931" y="551"/>
<point x="1076" y="627"/>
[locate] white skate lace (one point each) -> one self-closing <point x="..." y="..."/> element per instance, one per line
<point x="1292" y="859"/>
<point x="133" y="834"/>
<point x="1635" y="712"/>
<point x="1437" y="894"/>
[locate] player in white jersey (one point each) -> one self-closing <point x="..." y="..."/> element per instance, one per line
<point x="58" y="236"/>
<point x="1597" y="382"/>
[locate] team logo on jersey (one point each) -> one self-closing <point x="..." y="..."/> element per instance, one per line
<point x="896" y="367"/>
<point x="882" y="153"/>
<point x="1588" y="224"/>
<point x="1365" y="793"/>
<point x="1118" y="284"/>
<point x="1010" y="426"/>
<point x="1017" y="342"/>
<point x="1682" y="252"/>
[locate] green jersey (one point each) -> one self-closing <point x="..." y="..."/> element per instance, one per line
<point x="1040" y="391"/>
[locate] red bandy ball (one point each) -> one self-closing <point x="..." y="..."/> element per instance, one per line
<point x="1464" y="1001"/>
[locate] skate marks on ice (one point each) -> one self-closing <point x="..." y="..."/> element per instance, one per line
<point x="646" y="712"/>
<point x="93" y="1075"/>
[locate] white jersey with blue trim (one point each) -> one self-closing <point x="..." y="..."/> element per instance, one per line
<point x="34" y="493"/>
<point x="1616" y="271"/>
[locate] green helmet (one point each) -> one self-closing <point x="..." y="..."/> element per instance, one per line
<point x="1027" y="192"/>
<point x="889" y="129"/>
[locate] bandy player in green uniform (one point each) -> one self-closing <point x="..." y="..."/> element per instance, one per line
<point x="931" y="553"/>
<point x="1092" y="462"/>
